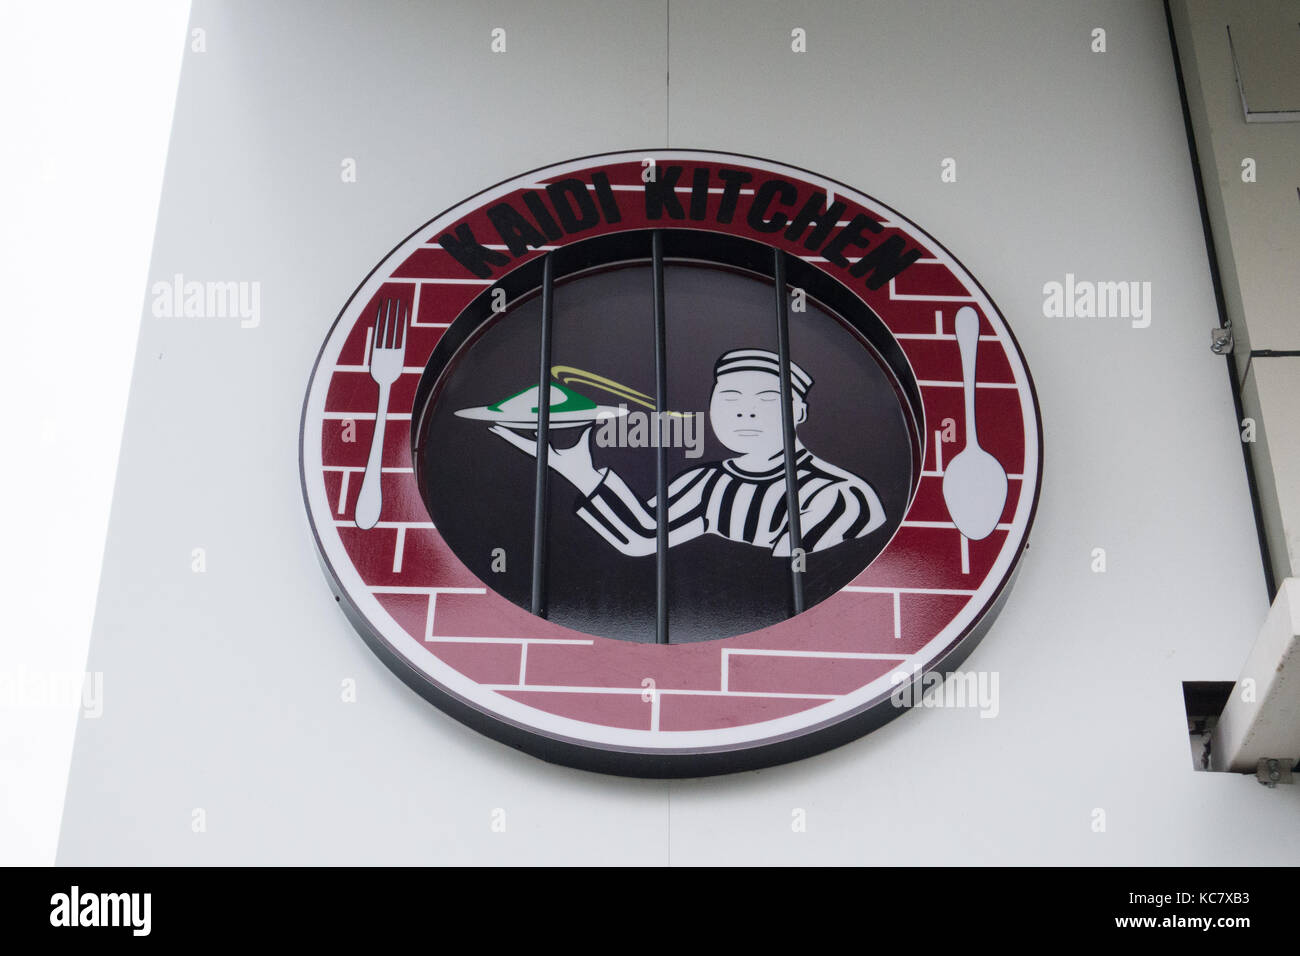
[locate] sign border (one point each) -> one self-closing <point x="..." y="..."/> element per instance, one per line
<point x="656" y="753"/>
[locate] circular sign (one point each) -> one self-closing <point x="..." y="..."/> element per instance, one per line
<point x="670" y="464"/>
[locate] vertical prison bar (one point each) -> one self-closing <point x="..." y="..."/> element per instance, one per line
<point x="543" y="439"/>
<point x="661" y="451"/>
<point x="787" y="431"/>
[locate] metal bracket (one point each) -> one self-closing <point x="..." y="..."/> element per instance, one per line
<point x="1270" y="772"/>
<point x="1221" y="340"/>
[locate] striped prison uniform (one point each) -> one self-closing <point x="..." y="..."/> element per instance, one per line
<point x="719" y="498"/>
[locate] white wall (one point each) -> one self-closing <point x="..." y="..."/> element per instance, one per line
<point x="86" y="109"/>
<point x="221" y="689"/>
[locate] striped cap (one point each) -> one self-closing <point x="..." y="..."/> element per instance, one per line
<point x="761" y="360"/>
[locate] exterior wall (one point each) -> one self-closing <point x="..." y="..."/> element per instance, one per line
<point x="1256" y="230"/>
<point x="222" y="689"/>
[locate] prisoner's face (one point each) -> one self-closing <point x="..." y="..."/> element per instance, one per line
<point x="745" y="412"/>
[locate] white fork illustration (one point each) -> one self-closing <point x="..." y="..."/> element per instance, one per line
<point x="387" y="353"/>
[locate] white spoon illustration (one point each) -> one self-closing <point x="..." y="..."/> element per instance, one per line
<point x="974" y="483"/>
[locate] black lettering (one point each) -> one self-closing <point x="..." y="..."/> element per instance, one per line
<point x="605" y="196"/>
<point x="885" y="262"/>
<point x="573" y="205"/>
<point x="734" y="178"/>
<point x="660" y="195"/>
<point x="850" y="235"/>
<point x="700" y="193"/>
<point x="470" y="253"/>
<point x="814" y="210"/>
<point x="544" y="219"/>
<point x="757" y="217"/>
<point x="515" y="231"/>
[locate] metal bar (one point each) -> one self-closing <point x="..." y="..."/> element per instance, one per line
<point x="787" y="431"/>
<point x="661" y="449"/>
<point x="543" y="440"/>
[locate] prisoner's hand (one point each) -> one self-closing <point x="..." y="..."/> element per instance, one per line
<point x="574" y="464"/>
<point x="526" y="445"/>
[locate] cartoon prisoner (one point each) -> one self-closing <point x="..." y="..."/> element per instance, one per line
<point x="741" y="498"/>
